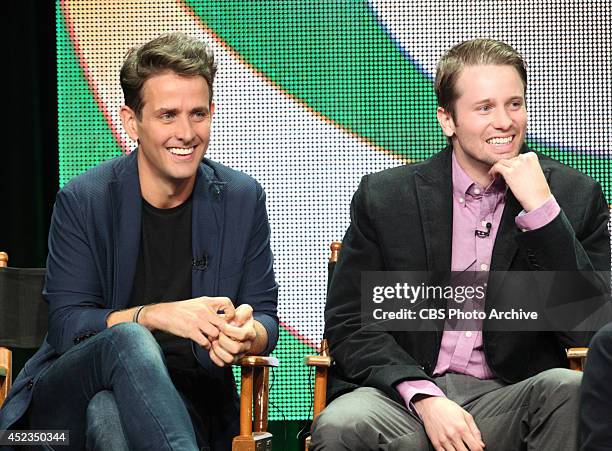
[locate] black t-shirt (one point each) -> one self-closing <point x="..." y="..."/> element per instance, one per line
<point x="163" y="272"/>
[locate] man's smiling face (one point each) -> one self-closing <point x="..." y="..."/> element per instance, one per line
<point x="490" y="117"/>
<point x="173" y="130"/>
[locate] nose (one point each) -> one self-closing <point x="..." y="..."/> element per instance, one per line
<point x="501" y="119"/>
<point x="184" y="130"/>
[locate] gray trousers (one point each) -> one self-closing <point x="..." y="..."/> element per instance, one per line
<point x="539" y="413"/>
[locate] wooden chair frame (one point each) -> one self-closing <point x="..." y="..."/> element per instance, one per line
<point x="5" y="354"/>
<point x="254" y="392"/>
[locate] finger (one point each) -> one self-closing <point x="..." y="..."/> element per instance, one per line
<point x="498" y="169"/>
<point x="212" y="318"/>
<point x="231" y="346"/>
<point x="208" y="329"/>
<point x="200" y="339"/>
<point x="447" y="446"/>
<point x="472" y="443"/>
<point x="243" y="313"/>
<point x="530" y="156"/>
<point x="475" y="431"/>
<point x="242" y="333"/>
<point x="215" y="358"/>
<point x="222" y="304"/>
<point x="222" y="353"/>
<point x="458" y="444"/>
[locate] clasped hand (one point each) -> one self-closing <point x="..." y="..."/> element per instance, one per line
<point x="228" y="336"/>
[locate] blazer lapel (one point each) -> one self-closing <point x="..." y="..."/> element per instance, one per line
<point x="208" y="217"/>
<point x="435" y="201"/>
<point x="126" y="211"/>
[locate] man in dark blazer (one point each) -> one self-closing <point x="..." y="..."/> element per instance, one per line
<point x="159" y="277"/>
<point x="485" y="203"/>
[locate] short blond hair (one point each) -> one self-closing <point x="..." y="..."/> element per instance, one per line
<point x="472" y="53"/>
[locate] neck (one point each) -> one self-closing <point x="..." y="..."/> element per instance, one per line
<point x="162" y="192"/>
<point x="168" y="195"/>
<point x="476" y="170"/>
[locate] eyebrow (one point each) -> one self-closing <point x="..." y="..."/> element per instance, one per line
<point x="489" y="100"/>
<point x="202" y="109"/>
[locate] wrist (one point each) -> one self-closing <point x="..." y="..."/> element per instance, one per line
<point x="536" y="202"/>
<point x="146" y="316"/>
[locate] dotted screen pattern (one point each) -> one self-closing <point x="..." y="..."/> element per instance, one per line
<point x="311" y="96"/>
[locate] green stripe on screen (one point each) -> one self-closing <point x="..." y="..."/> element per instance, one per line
<point x="333" y="56"/>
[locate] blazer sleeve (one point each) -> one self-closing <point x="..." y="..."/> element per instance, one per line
<point x="363" y="356"/>
<point x="560" y="246"/>
<point x="581" y="246"/>
<point x="258" y="286"/>
<point x="77" y="309"/>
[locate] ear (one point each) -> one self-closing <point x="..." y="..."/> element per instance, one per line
<point x="129" y="119"/>
<point x="212" y="109"/>
<point x="446" y="122"/>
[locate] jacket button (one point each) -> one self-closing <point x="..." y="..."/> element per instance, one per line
<point x="30" y="384"/>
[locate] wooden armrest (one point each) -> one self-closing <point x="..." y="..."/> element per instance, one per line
<point x="318" y="360"/>
<point x="577" y="358"/>
<point x="577" y="353"/>
<point x="5" y="373"/>
<point x="321" y="362"/>
<point x="257" y="360"/>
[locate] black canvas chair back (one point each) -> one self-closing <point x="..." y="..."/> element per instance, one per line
<point x="23" y="311"/>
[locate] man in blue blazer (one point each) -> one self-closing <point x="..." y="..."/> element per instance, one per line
<point x="159" y="276"/>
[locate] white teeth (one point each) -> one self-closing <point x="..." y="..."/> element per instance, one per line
<point x="181" y="150"/>
<point x="506" y="140"/>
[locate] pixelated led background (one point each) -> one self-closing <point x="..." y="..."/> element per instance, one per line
<point x="312" y="95"/>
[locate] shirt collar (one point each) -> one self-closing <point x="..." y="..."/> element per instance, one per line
<point x="463" y="184"/>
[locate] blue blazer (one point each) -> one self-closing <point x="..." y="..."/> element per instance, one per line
<point x="93" y="248"/>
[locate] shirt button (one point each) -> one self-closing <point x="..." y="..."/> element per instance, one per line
<point x="468" y="334"/>
<point x="484" y="267"/>
<point x="476" y="191"/>
<point x="461" y="200"/>
<point x="30" y="384"/>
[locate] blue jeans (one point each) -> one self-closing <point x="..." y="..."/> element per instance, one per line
<point x="127" y="361"/>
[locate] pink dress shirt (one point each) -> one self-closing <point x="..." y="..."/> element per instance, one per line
<point x="473" y="207"/>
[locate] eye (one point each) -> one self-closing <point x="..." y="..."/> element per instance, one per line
<point x="485" y="108"/>
<point x="516" y="104"/>
<point x="200" y="115"/>
<point x="167" y="116"/>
